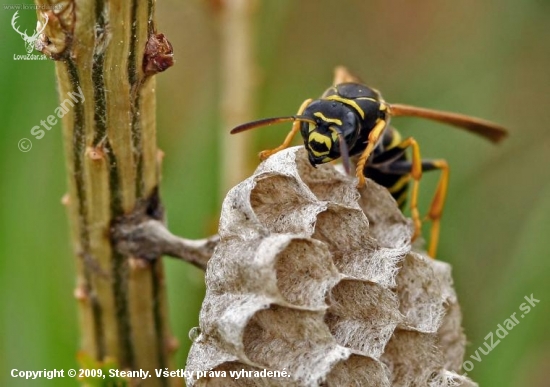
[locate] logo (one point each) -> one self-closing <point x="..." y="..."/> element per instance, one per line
<point x="29" y="40"/>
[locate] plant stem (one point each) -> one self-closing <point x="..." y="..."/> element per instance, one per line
<point x="102" y="48"/>
<point x="238" y="79"/>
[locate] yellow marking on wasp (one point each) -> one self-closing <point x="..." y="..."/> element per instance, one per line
<point x="334" y="133"/>
<point x="327" y="159"/>
<point x="320" y="139"/>
<point x="349" y="102"/>
<point x="326" y="119"/>
<point x="396" y="139"/>
<point x="368" y="99"/>
<point x="399" y="184"/>
<point x="318" y="154"/>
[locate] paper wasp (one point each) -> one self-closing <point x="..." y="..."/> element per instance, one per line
<point x="351" y="119"/>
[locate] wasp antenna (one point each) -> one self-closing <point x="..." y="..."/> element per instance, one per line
<point x="260" y="123"/>
<point x="267" y="122"/>
<point x="344" y="151"/>
<point x="487" y="129"/>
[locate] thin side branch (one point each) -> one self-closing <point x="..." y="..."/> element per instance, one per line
<point x="151" y="239"/>
<point x="143" y="234"/>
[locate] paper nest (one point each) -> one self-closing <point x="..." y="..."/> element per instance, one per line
<point x="317" y="278"/>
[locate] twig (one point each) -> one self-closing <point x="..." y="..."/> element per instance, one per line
<point x="151" y="239"/>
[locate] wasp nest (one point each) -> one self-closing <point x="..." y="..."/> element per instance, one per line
<point x="317" y="281"/>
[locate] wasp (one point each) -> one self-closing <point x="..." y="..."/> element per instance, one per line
<point x="352" y="120"/>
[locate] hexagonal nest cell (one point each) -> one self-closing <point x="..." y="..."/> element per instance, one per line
<point x="316" y="278"/>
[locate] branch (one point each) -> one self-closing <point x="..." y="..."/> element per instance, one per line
<point x="150" y="239"/>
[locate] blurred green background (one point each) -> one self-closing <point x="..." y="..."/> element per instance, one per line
<point x="485" y="58"/>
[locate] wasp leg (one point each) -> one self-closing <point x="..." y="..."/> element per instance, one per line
<point x="438" y="202"/>
<point x="405" y="168"/>
<point x="374" y="135"/>
<point x="416" y="174"/>
<point x="295" y="129"/>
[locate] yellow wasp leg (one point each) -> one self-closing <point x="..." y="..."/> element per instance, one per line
<point x="438" y="202"/>
<point x="290" y="136"/>
<point x="436" y="207"/>
<point x="374" y="135"/>
<point x="416" y="175"/>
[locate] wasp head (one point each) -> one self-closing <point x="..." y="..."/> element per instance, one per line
<point x="332" y="129"/>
